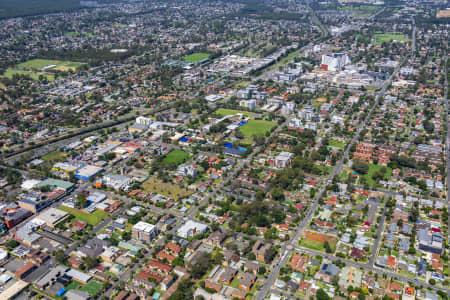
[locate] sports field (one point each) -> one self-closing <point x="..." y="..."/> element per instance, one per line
<point x="196" y="57"/>
<point x="38" y="64"/>
<point x="92" y="219"/>
<point x="9" y="73"/>
<point x="176" y="157"/>
<point x="256" y="127"/>
<point x="389" y="37"/>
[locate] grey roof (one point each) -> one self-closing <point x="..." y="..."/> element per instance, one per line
<point x="329" y="270"/>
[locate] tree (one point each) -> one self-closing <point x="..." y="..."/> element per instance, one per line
<point x="322" y="295"/>
<point x="91" y="262"/>
<point x="81" y="201"/>
<point x="60" y="256"/>
<point x="269" y="255"/>
<point x="360" y="166"/>
<point x="327" y="247"/>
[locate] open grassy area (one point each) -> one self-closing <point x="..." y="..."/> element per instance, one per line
<point x="318" y="246"/>
<point x="168" y="189"/>
<point x="196" y="57"/>
<point x="258" y="127"/>
<point x="242" y="84"/>
<point x="54" y="156"/>
<point x="92" y="219"/>
<point x="9" y="73"/>
<point x="389" y="37"/>
<point x="38" y="64"/>
<point x="310" y="244"/>
<point x="176" y="157"/>
<point x="336" y="144"/>
<point x="92" y="288"/>
<point x="225" y="112"/>
<point x="362" y="11"/>
<point x="372" y="169"/>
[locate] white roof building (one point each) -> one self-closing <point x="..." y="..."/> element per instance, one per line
<point x="191" y="228"/>
<point x="29" y="184"/>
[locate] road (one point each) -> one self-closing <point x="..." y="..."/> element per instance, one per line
<point x="368" y="267"/>
<point x="310" y="212"/>
<point x="447" y="143"/>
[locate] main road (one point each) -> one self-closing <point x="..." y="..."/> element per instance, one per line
<point x="287" y="248"/>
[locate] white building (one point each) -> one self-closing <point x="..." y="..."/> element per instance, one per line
<point x="283" y="159"/>
<point x="116" y="181"/>
<point x="144" y="121"/>
<point x="191" y="228"/>
<point x="334" y="62"/>
<point x="143" y="231"/>
<point x="250" y="104"/>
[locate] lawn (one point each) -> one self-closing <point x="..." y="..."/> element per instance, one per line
<point x="226" y="112"/>
<point x="176" y="157"/>
<point x="167" y="189"/>
<point x="258" y="127"/>
<point x="9" y="73"/>
<point x="310" y="244"/>
<point x="196" y="57"/>
<point x="372" y="169"/>
<point x="92" y="288"/>
<point x="389" y="37"/>
<point x="54" y="156"/>
<point x="336" y="144"/>
<point x="39" y="64"/>
<point x="318" y="246"/>
<point x="92" y="219"/>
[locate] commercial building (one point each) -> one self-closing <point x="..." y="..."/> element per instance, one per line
<point x="88" y="172"/>
<point x="14" y="290"/>
<point x="116" y="181"/>
<point x="52" y="216"/>
<point x="334" y="62"/>
<point x="143" y="231"/>
<point x="55" y="183"/>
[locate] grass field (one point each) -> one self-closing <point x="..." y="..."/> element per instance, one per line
<point x="9" y="73"/>
<point x="196" y="57"/>
<point x="389" y="37"/>
<point x="313" y="245"/>
<point x="336" y="144"/>
<point x="38" y="64"/>
<point x="176" y="157"/>
<point x="92" y="219"/>
<point x="372" y="169"/>
<point x="54" y="156"/>
<point x="318" y="246"/>
<point x="167" y="189"/>
<point x="92" y="288"/>
<point x="225" y="112"/>
<point x="258" y="127"/>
